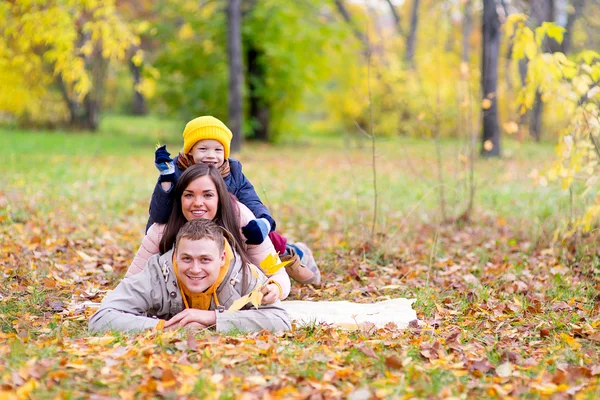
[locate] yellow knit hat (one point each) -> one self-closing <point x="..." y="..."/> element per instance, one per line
<point x="206" y="127"/>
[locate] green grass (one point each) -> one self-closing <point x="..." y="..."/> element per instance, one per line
<point x="64" y="165"/>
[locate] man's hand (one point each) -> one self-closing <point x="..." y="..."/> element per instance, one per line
<point x="191" y="318"/>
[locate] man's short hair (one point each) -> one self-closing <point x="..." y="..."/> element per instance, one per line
<point x="201" y="228"/>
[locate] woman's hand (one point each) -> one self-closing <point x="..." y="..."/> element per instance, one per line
<point x="192" y="318"/>
<point x="270" y="293"/>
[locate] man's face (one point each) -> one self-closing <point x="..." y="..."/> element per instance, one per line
<point x="199" y="263"/>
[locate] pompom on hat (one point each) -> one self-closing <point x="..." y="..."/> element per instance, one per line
<point x="206" y="127"/>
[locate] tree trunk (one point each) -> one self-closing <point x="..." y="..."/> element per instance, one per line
<point x="541" y="11"/>
<point x="411" y="38"/>
<point x="490" y="146"/>
<point x="574" y="14"/>
<point x="523" y="63"/>
<point x="138" y="102"/>
<point x="536" y="117"/>
<point x="72" y="105"/>
<point x="91" y="119"/>
<point x="259" y="109"/>
<point x="466" y="31"/>
<point x="236" y="74"/>
<point x="93" y="100"/>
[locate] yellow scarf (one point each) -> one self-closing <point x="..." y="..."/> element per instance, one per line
<point x="201" y="301"/>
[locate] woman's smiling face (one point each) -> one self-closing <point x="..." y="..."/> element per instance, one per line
<point x="200" y="199"/>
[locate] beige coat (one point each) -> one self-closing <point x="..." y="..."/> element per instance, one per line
<point x="257" y="253"/>
<point x="140" y="301"/>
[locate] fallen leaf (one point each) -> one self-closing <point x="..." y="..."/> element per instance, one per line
<point x="192" y="343"/>
<point x="544" y="332"/>
<point x="393" y="362"/>
<point x="481" y="366"/>
<point x="504" y="370"/>
<point x="84" y="256"/>
<point x="572" y="342"/>
<point x="366" y="350"/>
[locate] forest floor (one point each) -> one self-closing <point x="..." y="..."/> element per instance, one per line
<point x="504" y="309"/>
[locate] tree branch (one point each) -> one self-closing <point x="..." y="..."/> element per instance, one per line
<point x="395" y="15"/>
<point x="348" y="18"/>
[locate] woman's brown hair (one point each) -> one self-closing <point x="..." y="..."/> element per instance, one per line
<point x="227" y="216"/>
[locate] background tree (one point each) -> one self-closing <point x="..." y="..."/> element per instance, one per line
<point x="575" y="11"/>
<point x="489" y="79"/>
<point x="65" y="54"/>
<point x="411" y="37"/>
<point x="142" y="14"/>
<point x="541" y="11"/>
<point x="236" y="74"/>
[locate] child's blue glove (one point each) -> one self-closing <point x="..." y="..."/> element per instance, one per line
<point x="256" y="231"/>
<point x="164" y="164"/>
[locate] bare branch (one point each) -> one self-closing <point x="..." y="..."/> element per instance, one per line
<point x="348" y="18"/>
<point x="362" y="130"/>
<point x="395" y="15"/>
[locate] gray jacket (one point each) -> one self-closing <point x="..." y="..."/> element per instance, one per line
<point x="140" y="301"/>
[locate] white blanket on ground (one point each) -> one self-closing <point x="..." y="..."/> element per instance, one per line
<point x="348" y="315"/>
<point x="342" y="314"/>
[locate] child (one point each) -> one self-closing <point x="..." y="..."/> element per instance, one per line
<point x="190" y="286"/>
<point x="207" y="140"/>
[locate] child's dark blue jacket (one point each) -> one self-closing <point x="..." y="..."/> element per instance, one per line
<point x="237" y="184"/>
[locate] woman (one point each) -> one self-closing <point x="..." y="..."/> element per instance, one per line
<point x="201" y="193"/>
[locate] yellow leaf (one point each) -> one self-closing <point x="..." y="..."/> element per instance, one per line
<point x="208" y="46"/>
<point x="574" y="344"/>
<point x="531" y="50"/>
<point x="488" y="145"/>
<point x="239" y="303"/>
<point x="555" y="31"/>
<point x="84" y="256"/>
<point x="511" y="127"/>
<point x="24" y="391"/>
<point x="256" y="297"/>
<point x="137" y="58"/>
<point x="486" y="104"/>
<point x="518" y="302"/>
<point x="102" y="340"/>
<point x="185" y="32"/>
<point x="270" y="266"/>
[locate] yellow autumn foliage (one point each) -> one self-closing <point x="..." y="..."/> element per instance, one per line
<point x="44" y="42"/>
<point x="574" y="82"/>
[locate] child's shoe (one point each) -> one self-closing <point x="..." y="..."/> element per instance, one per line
<point x="302" y="269"/>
